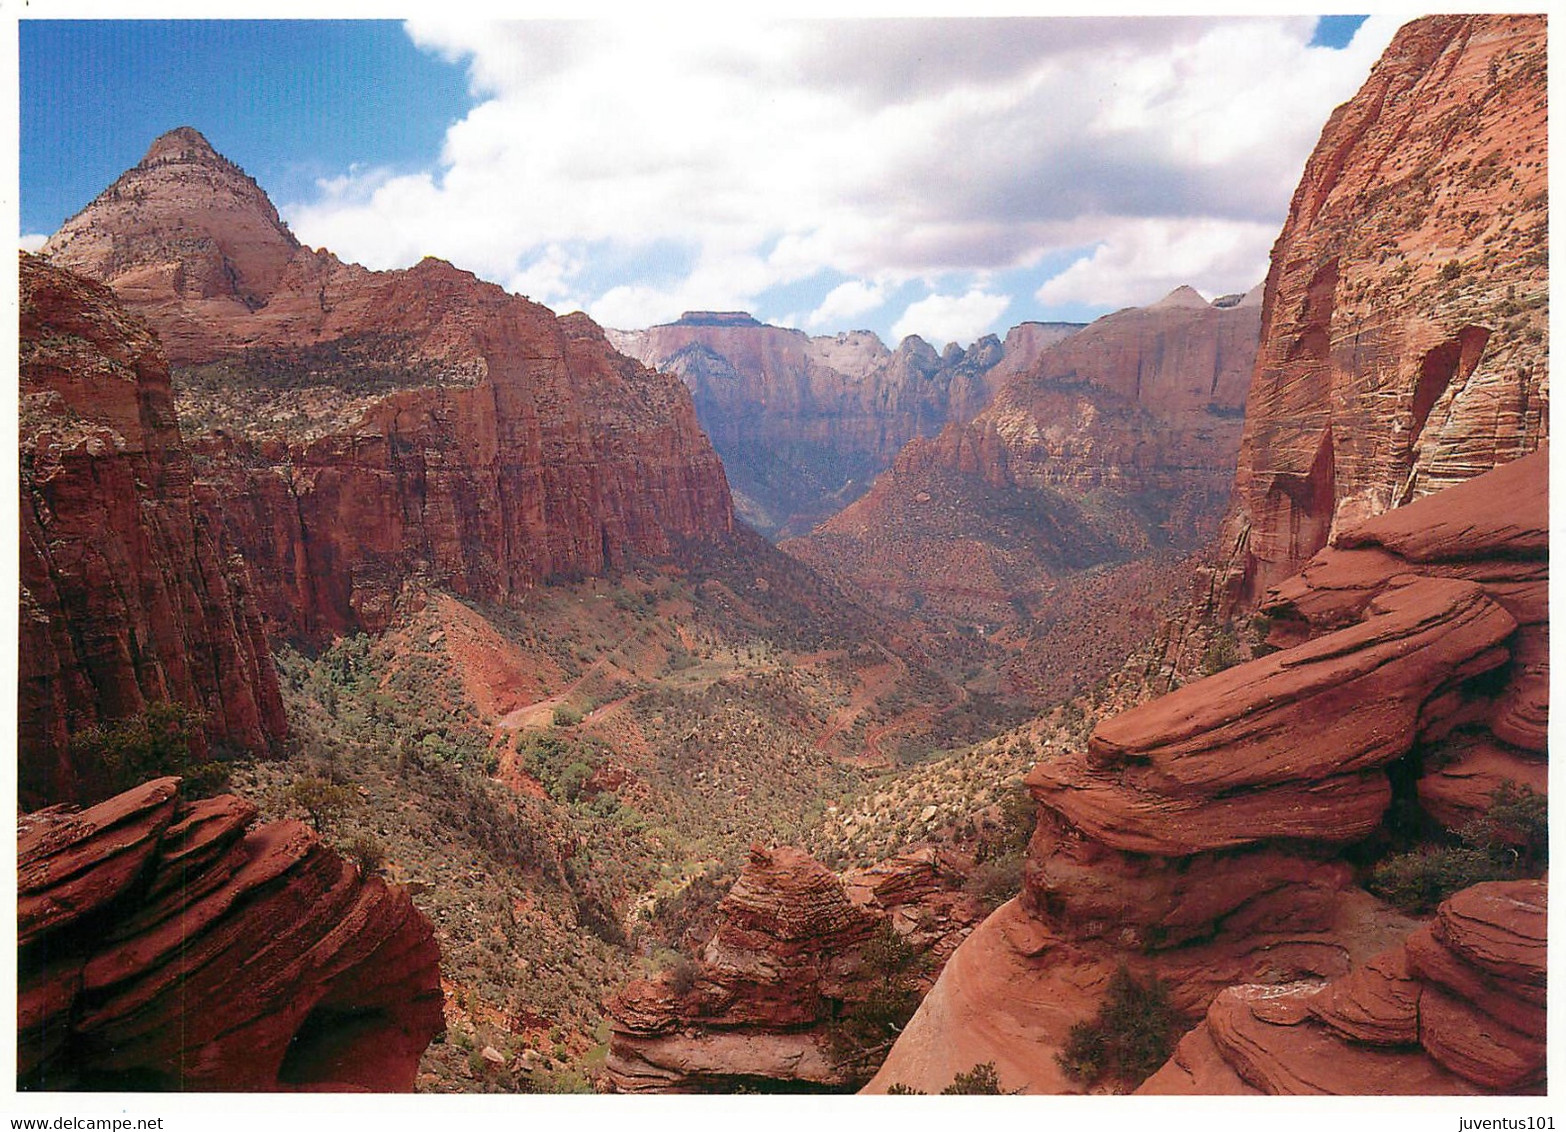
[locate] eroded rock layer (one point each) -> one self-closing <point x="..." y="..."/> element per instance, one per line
<point x="368" y="428"/>
<point x="1457" y="1009"/>
<point x="1204" y="825"/>
<point x="795" y="949"/>
<point x="131" y="592"/>
<point x="805" y="424"/>
<point x="1405" y="337"/>
<point x="168" y="945"/>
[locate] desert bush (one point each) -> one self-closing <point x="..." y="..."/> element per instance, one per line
<point x="1222" y="652"/>
<point x="155" y="742"/>
<point x="367" y="852"/>
<point x="320" y="799"/>
<point x="684" y="975"/>
<point x="1509" y="840"/>
<point x="1133" y="1033"/>
<point x="996" y="880"/>
<point x="980" y="1081"/>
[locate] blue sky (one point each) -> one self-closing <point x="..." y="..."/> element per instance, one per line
<point x="944" y="177"/>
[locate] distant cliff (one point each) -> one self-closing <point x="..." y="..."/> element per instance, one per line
<point x="805" y="424"/>
<point x="1111" y="446"/>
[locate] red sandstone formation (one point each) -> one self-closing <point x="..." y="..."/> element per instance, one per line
<point x="804" y="424"/>
<point x="1197" y="827"/>
<point x="162" y="946"/>
<point x="1458" y="1008"/>
<point x="1115" y="444"/>
<point x="131" y="594"/>
<point x="470" y="437"/>
<point x="786" y="960"/>
<point x="1405" y="337"/>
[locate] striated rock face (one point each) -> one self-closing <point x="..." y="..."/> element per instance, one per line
<point x="165" y="945"/>
<point x="1115" y="444"/>
<point x="804" y="424"/>
<point x="1406" y="313"/>
<point x="790" y="954"/>
<point x="1203" y="828"/>
<point x="367" y="428"/>
<point x="131" y="593"/>
<point x="1457" y="1009"/>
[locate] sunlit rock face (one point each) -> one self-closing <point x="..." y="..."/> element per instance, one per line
<point x="1406" y="316"/>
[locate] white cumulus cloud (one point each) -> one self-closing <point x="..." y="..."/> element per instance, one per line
<point x="947" y="151"/>
<point x="847" y="301"/>
<point x="940" y="319"/>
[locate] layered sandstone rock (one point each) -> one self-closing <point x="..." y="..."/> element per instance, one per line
<point x="1457" y="1009"/>
<point x="1406" y="312"/>
<point x="131" y="593"/>
<point x="167" y="945"/>
<point x="1196" y="828"/>
<point x="368" y="428"/>
<point x="805" y="424"/>
<point x="789" y="956"/>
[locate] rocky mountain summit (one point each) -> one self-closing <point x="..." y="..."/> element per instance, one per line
<point x="367" y="428"/>
<point x="803" y="423"/>
<point x="164" y="944"/>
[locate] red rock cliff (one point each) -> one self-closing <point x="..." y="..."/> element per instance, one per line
<point x="166" y="945"/>
<point x="1405" y="337"/>
<point x="1113" y="446"/>
<point x="804" y="424"/>
<point x="131" y="594"/>
<point x="367" y="428"/>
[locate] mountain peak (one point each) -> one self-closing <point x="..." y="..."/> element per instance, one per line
<point x="183" y="143"/>
<point x="1182" y="296"/>
<point x="185" y="223"/>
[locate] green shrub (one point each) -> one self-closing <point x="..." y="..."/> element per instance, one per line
<point x="1418" y="881"/>
<point x="997" y="880"/>
<point x="1222" y="652"/>
<point x="367" y="852"/>
<point x="980" y="1081"/>
<point x="1133" y="1033"/>
<point x="567" y="717"/>
<point x="1509" y="840"/>
<point x="684" y="975"/>
<point x="115" y="756"/>
<point x="320" y="799"/>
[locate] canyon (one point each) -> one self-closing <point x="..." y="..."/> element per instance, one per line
<point x="804" y="424"/>
<point x="1089" y="478"/>
<point x="1167" y="655"/>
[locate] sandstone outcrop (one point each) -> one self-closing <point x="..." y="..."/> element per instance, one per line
<point x="169" y="945"/>
<point x="792" y="953"/>
<point x="1405" y="338"/>
<point x="368" y="428"/>
<point x="804" y="424"/>
<point x="1198" y="828"/>
<point x="1457" y="1009"/>
<point x="131" y="593"/>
